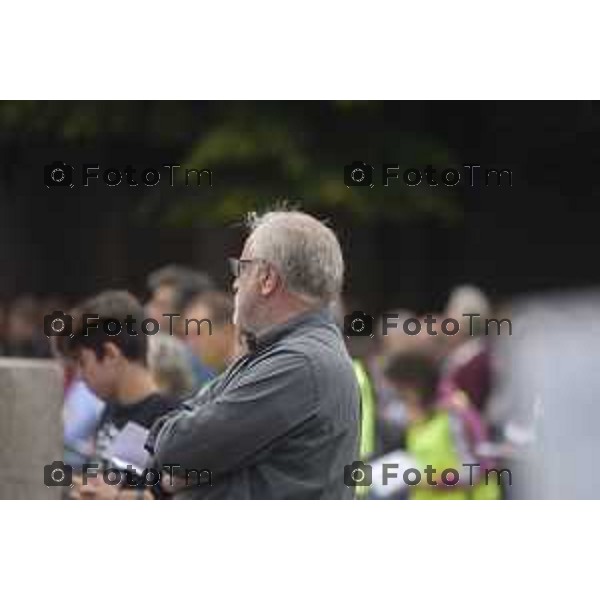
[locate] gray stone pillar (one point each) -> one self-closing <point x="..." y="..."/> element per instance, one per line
<point x="31" y="427"/>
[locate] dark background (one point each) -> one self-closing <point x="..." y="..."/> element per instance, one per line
<point x="404" y="247"/>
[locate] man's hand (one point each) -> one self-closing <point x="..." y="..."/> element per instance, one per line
<point x="97" y="489"/>
<point x="169" y="484"/>
<point x="94" y="489"/>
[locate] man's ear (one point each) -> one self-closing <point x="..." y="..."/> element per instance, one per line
<point x="270" y="281"/>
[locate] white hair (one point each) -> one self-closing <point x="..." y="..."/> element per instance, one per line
<point x="306" y="252"/>
<point x="466" y="299"/>
<point x="169" y="364"/>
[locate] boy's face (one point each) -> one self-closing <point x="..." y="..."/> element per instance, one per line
<point x="100" y="375"/>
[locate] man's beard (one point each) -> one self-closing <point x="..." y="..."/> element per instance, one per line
<point x="247" y="317"/>
<point x="235" y="319"/>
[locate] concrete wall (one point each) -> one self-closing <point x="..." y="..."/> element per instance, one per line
<point x="31" y="430"/>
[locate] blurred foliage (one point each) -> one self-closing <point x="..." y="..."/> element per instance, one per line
<point x="258" y="152"/>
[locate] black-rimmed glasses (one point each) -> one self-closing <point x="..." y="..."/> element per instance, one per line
<point x="235" y="265"/>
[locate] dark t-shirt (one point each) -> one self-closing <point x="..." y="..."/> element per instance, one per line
<point x="116" y="416"/>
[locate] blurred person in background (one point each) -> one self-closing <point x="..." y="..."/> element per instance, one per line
<point x="82" y="411"/>
<point x="443" y="435"/>
<point x="383" y="415"/>
<point x="359" y="348"/>
<point x="168" y="288"/>
<point x="546" y="403"/>
<point x="397" y="340"/>
<point x="115" y="368"/>
<point x="215" y="308"/>
<point x="171" y="288"/>
<point x="24" y="330"/>
<point x="467" y="365"/>
<point x="391" y="411"/>
<point x="167" y="359"/>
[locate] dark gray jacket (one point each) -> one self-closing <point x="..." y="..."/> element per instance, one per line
<point x="281" y="422"/>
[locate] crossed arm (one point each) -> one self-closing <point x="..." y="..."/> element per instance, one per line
<point x="259" y="406"/>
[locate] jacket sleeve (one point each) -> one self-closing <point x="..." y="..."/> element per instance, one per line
<point x="263" y="403"/>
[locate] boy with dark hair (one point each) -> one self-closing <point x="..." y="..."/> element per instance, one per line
<point x="114" y="367"/>
<point x="443" y="433"/>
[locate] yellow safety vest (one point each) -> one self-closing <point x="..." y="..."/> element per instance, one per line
<point x="368" y="416"/>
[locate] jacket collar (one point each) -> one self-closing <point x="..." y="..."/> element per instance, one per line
<point x="273" y="334"/>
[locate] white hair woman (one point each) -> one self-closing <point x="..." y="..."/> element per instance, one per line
<point x="169" y="364"/>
